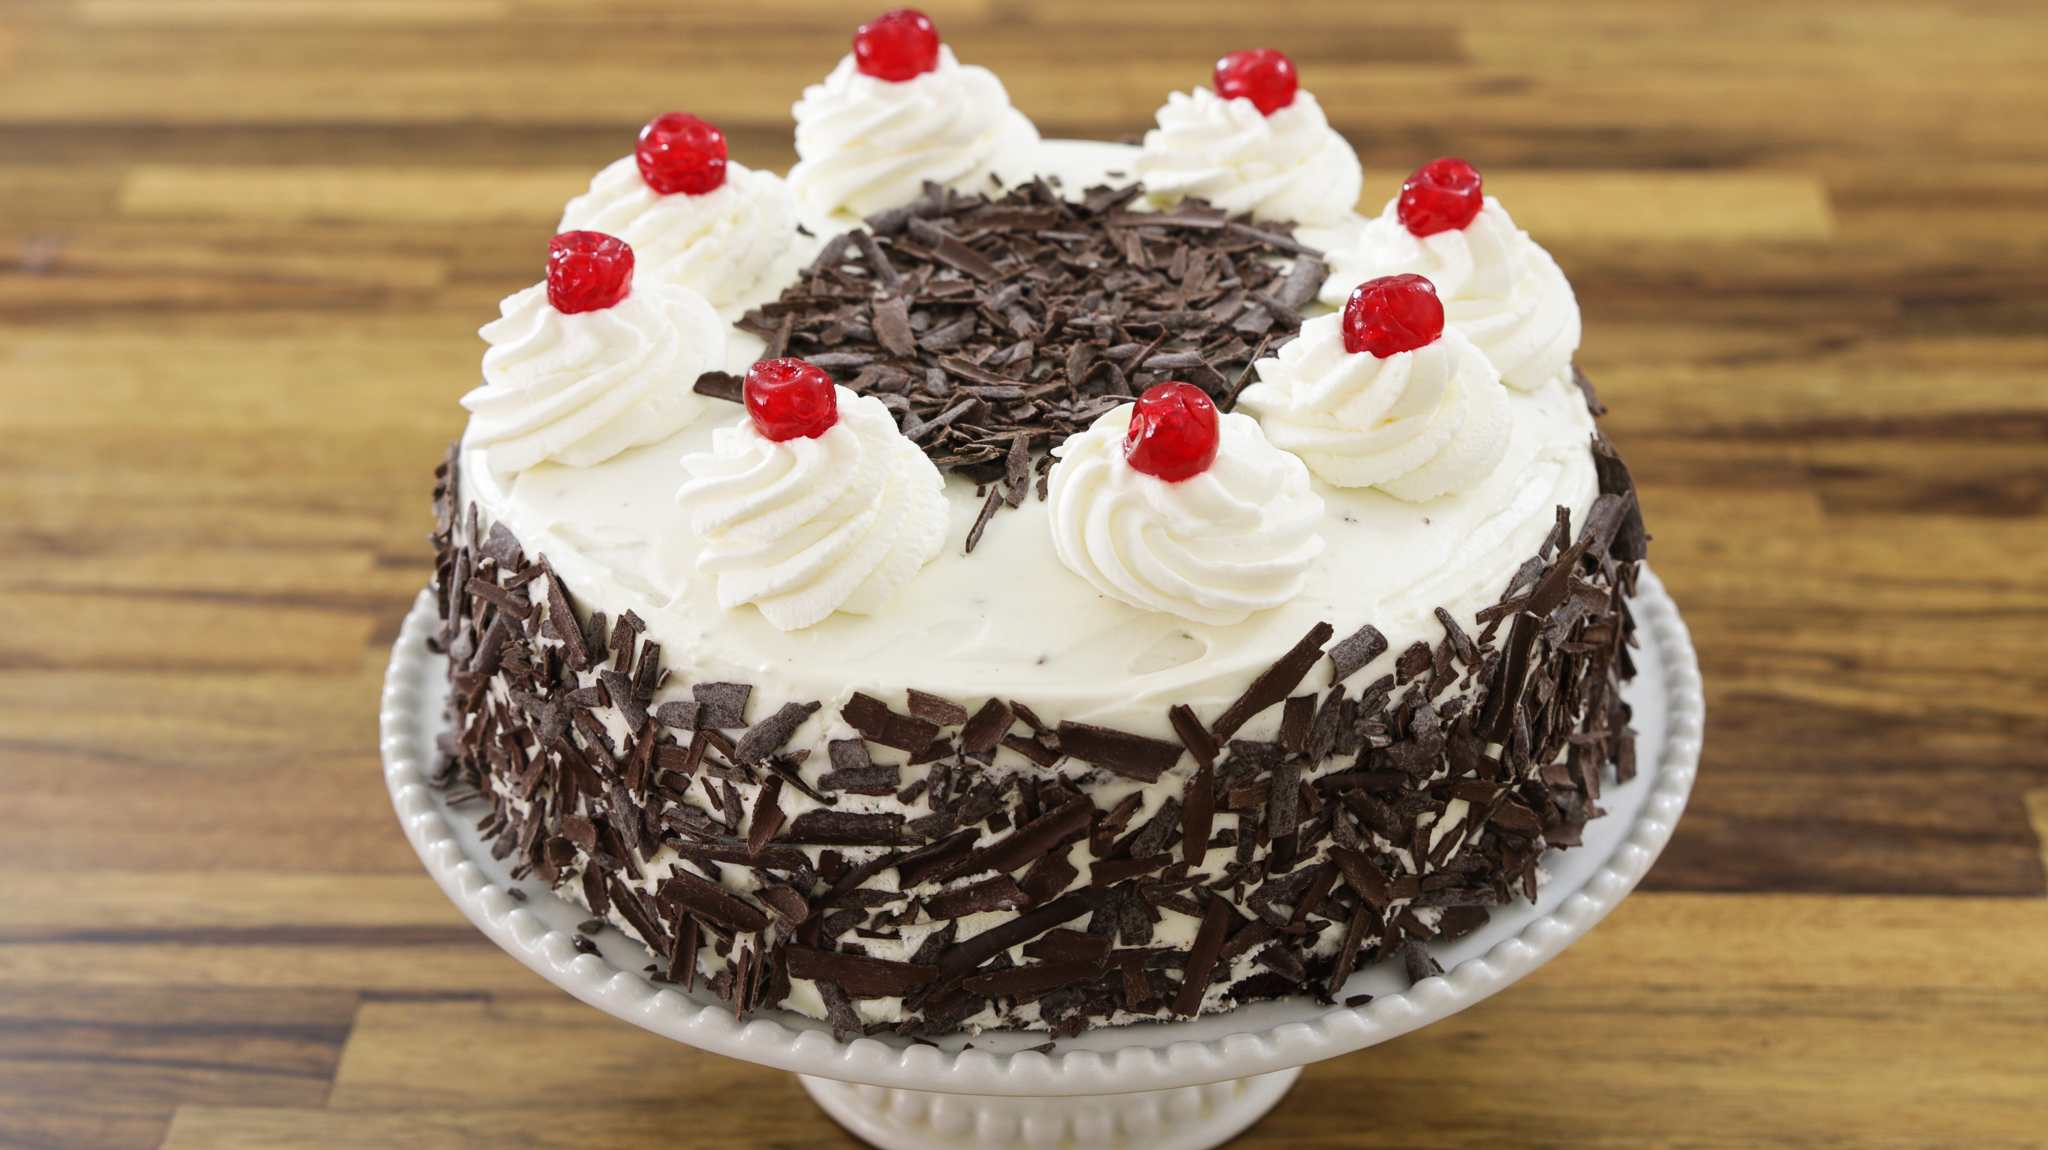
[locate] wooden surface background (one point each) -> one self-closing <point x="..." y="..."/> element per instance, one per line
<point x="245" y="246"/>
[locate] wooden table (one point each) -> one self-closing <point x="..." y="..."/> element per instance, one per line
<point x="244" y="246"/>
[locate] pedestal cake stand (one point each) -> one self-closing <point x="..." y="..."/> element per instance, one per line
<point x="1185" y="1085"/>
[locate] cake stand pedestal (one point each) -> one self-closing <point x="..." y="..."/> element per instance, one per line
<point x="1184" y="1085"/>
<point x="1190" y="1118"/>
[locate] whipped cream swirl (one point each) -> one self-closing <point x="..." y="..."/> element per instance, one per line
<point x="578" y="389"/>
<point x="718" y="244"/>
<point x="1416" y="425"/>
<point x="1497" y="285"/>
<point x="865" y="144"/>
<point x="1215" y="547"/>
<point x="1290" y="165"/>
<point x="806" y="527"/>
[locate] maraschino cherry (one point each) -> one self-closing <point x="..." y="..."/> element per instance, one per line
<point x="1261" y="75"/>
<point x="898" y="45"/>
<point x="787" y="398"/>
<point x="1174" y="432"/>
<point x="588" y="271"/>
<point x="1443" y="195"/>
<point x="1392" y="314"/>
<point x="680" y="153"/>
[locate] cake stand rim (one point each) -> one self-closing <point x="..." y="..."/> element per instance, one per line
<point x="407" y="718"/>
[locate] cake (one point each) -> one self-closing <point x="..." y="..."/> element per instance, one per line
<point x="974" y="583"/>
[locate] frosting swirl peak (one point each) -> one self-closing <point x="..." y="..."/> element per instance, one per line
<point x="1233" y="539"/>
<point x="1499" y="288"/>
<point x="1416" y="424"/>
<point x="865" y="144"/>
<point x="808" y="526"/>
<point x="1290" y="165"/>
<point x="718" y="244"/>
<point x="580" y="388"/>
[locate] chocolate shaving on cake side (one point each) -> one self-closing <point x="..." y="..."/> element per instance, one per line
<point x="1382" y="815"/>
<point x="994" y="329"/>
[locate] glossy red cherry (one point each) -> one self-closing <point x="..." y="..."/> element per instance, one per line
<point x="588" y="271"/>
<point x="788" y="397"/>
<point x="1443" y="195"/>
<point x="1392" y="314"/>
<point x="680" y="153"/>
<point x="1174" y="432"/>
<point x="898" y="45"/>
<point x="1262" y="75"/>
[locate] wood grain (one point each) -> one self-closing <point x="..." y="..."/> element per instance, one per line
<point x="244" y="249"/>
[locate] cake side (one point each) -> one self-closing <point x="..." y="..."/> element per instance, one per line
<point x="1367" y="819"/>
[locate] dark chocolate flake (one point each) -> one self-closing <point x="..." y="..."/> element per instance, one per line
<point x="1132" y="756"/>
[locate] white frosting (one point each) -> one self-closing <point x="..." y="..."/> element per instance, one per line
<point x="1416" y="424"/>
<point x="808" y="526"/>
<point x="1215" y="547"/>
<point x="866" y="144"/>
<point x="1010" y="620"/>
<point x="1498" y="287"/>
<point x="579" y="389"/>
<point x="1290" y="165"/>
<point x="718" y="244"/>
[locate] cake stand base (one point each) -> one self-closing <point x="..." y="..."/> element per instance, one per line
<point x="1190" y="1118"/>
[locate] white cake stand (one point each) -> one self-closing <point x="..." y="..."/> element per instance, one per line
<point x="1184" y="1085"/>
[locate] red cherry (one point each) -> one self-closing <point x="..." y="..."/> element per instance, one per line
<point x="680" y="153"/>
<point x="898" y="45"/>
<point x="1174" y="432"/>
<point x="1392" y="314"/>
<point x="1443" y="195"/>
<point x="588" y="271"/>
<point x="1262" y="75"/>
<point x="788" y="397"/>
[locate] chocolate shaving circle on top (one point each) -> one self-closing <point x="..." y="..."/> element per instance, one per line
<point x="993" y="329"/>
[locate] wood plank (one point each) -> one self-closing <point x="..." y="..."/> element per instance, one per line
<point x="100" y="904"/>
<point x="42" y="629"/>
<point x="2037" y="814"/>
<point x="1646" y="207"/>
<point x="378" y="195"/>
<point x="295" y="813"/>
<point x="408" y="961"/>
<point x="1796" y="1041"/>
<point x="769" y="1107"/>
<point x="173" y="13"/>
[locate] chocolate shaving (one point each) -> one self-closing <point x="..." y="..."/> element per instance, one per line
<point x="998" y="893"/>
<point x="767" y="736"/>
<point x="710" y="902"/>
<point x="986" y="729"/>
<point x="858" y="976"/>
<point x="1202" y="956"/>
<point x="1035" y="978"/>
<point x="878" y="724"/>
<point x="1357" y="651"/>
<point x="721" y="706"/>
<point x="1274" y="684"/>
<point x="721" y="385"/>
<point x="1132" y="756"/>
<point x="933" y="709"/>
<point x="847" y="829"/>
<point x="1028" y="841"/>
<point x="1193" y="735"/>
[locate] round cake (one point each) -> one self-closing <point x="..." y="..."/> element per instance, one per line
<point x="981" y="581"/>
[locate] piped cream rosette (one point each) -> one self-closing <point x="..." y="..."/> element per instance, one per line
<point x="1499" y="287"/>
<point x="1215" y="547"/>
<point x="719" y="244"/>
<point x="865" y="144"/>
<point x="1290" y="165"/>
<point x="580" y="388"/>
<point x="1416" y="425"/>
<point x="808" y="526"/>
